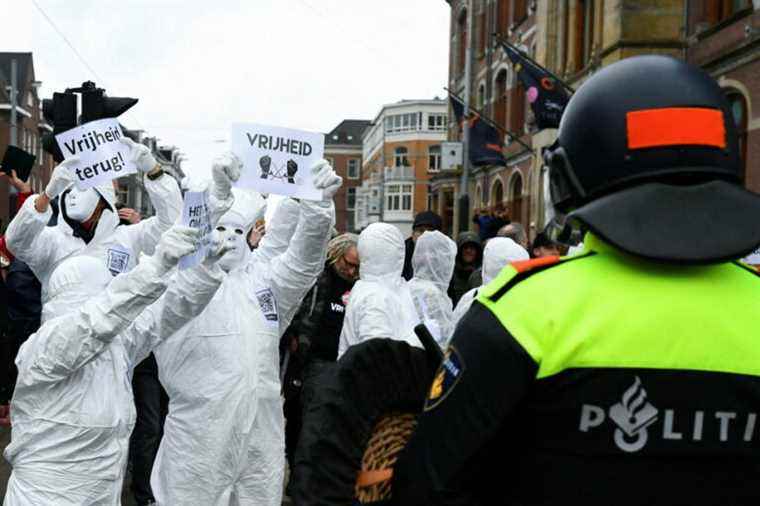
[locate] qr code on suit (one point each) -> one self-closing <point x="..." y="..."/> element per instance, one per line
<point x="268" y="304"/>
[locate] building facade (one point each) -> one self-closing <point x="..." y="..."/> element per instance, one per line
<point x="30" y="127"/>
<point x="401" y="150"/>
<point x="724" y="39"/>
<point x="343" y="149"/>
<point x="573" y="39"/>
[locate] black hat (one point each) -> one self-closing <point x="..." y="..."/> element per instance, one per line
<point x="19" y="160"/>
<point x="648" y="159"/>
<point x="428" y="219"/>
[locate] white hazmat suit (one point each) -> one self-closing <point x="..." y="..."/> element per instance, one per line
<point x="224" y="440"/>
<point x="72" y="411"/>
<point x="433" y="262"/>
<point x="118" y="247"/>
<point x="498" y="252"/>
<point x="380" y="305"/>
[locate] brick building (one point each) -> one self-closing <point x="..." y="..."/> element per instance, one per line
<point x="401" y="151"/>
<point x="343" y="149"/>
<point x="724" y="39"/>
<point x="30" y="126"/>
<point x="573" y="39"/>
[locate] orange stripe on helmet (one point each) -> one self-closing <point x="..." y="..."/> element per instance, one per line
<point x="676" y="126"/>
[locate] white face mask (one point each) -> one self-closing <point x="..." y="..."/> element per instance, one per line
<point x="80" y="204"/>
<point x="234" y="236"/>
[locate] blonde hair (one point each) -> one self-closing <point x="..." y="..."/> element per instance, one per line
<point x="338" y="246"/>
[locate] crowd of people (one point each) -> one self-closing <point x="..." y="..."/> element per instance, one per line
<point x="112" y="357"/>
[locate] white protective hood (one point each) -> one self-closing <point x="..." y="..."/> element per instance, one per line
<point x="381" y="304"/>
<point x="498" y="252"/>
<point x="434" y="258"/>
<point x="381" y="253"/>
<point x="73" y="282"/>
<point x="433" y="261"/>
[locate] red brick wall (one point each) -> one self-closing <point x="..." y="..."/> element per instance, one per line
<point x="340" y="164"/>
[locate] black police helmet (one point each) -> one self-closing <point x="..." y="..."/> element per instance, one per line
<point x="648" y="159"/>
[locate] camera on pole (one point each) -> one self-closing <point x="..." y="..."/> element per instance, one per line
<point x="61" y="111"/>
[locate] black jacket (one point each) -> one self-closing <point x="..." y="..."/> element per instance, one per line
<point x="320" y="318"/>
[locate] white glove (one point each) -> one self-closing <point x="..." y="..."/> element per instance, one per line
<point x="225" y="171"/>
<point x="325" y="179"/>
<point x="216" y="252"/>
<point x="61" y="178"/>
<point x="176" y="242"/>
<point x="140" y="155"/>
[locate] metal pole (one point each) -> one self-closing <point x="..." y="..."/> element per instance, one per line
<point x="14" y="100"/>
<point x="382" y="173"/>
<point x="464" y="211"/>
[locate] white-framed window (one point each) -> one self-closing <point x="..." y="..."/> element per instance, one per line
<point x="398" y="197"/>
<point x="401" y="157"/>
<point x="350" y="199"/>
<point x="434" y="158"/>
<point x="437" y="122"/>
<point x="403" y="122"/>
<point x="352" y="171"/>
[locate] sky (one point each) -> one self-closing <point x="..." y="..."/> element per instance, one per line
<point x="197" y="65"/>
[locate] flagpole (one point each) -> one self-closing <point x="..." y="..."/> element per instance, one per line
<point x="500" y="40"/>
<point x="491" y="122"/>
<point x="464" y="202"/>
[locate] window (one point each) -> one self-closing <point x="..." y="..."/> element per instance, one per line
<point x="482" y="97"/>
<point x="401" y="122"/>
<point x="434" y="158"/>
<point x="353" y="168"/>
<point x="500" y="107"/>
<point x="482" y="33"/>
<point x="462" y="56"/>
<point x="437" y="122"/>
<point x="400" y="158"/>
<point x="584" y="32"/>
<point x="517" y="109"/>
<point x="350" y="199"/>
<point x="718" y="10"/>
<point x="497" y="194"/>
<point x="739" y="111"/>
<point x="398" y="197"/>
<point x="502" y="22"/>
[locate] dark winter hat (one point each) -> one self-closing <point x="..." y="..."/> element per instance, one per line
<point x="428" y="219"/>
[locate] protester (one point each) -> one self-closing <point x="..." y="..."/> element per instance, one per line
<point x="89" y="224"/>
<point x="469" y="259"/>
<point x="434" y="257"/>
<point x="543" y="246"/>
<point x="315" y="331"/>
<point x="640" y="383"/>
<point x="72" y="410"/>
<point x="224" y="436"/>
<point x="514" y="231"/>
<point x="489" y="223"/>
<point x="498" y="253"/>
<point x="425" y="221"/>
<point x="381" y="304"/>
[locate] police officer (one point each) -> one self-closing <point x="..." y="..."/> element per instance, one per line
<point x="641" y="383"/>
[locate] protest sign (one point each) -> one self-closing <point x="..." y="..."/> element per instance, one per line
<point x="277" y="160"/>
<point x="195" y="213"/>
<point x="102" y="155"/>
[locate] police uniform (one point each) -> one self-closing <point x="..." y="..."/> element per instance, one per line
<point x="627" y="374"/>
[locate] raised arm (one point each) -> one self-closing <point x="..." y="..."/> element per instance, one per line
<point x="294" y="272"/>
<point x="164" y="195"/>
<point x="67" y="343"/>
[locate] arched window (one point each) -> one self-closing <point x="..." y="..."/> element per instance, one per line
<point x="497" y="194"/>
<point x="400" y="158"/>
<point x="515" y="196"/>
<point x="478" y="197"/>
<point x="482" y="97"/>
<point x="434" y="158"/>
<point x="738" y="105"/>
<point x="500" y="105"/>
